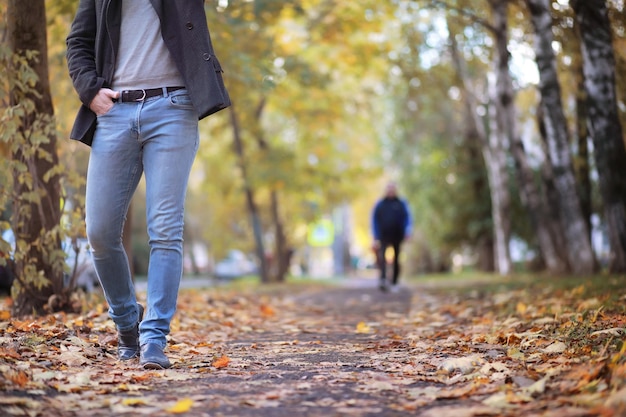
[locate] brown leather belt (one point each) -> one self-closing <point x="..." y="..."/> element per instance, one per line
<point x="131" y="96"/>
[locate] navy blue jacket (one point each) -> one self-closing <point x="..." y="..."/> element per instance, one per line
<point x="391" y="220"/>
<point x="93" y="41"/>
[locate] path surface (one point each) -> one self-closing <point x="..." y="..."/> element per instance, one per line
<point x="331" y="352"/>
<point x="321" y="350"/>
<point x="330" y="357"/>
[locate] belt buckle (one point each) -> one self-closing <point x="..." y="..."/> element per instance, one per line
<point x="142" y="98"/>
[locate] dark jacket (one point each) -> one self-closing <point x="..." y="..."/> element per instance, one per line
<point x="391" y="220"/>
<point x="93" y="41"/>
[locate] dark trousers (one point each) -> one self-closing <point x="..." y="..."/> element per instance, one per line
<point x="382" y="261"/>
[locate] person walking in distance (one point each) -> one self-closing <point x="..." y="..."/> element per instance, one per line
<point x="391" y="225"/>
<point x="145" y="72"/>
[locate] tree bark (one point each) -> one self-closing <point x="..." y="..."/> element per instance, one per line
<point x="282" y="253"/>
<point x="605" y="127"/>
<point x="582" y="157"/>
<point x="35" y="222"/>
<point x="551" y="194"/>
<point x="475" y="140"/>
<point x="539" y="213"/>
<point x="578" y="245"/>
<point x="496" y="152"/>
<point x="532" y="198"/>
<point x="257" y="227"/>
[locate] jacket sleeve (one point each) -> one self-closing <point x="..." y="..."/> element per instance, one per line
<point x="408" y="224"/>
<point x="81" y="52"/>
<point x="375" y="223"/>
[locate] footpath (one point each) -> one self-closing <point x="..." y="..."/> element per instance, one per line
<point x="330" y="351"/>
<point x="324" y="352"/>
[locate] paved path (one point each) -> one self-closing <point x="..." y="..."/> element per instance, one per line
<point x="330" y="358"/>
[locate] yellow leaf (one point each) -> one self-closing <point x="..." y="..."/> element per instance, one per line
<point x="182" y="406"/>
<point x="521" y="308"/>
<point x="578" y="290"/>
<point x="133" y="401"/>
<point x="5" y="315"/>
<point x="363" y="328"/>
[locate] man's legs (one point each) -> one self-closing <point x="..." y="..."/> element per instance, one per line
<point x="160" y="135"/>
<point x="169" y="135"/>
<point x="396" y="263"/>
<point x="382" y="264"/>
<point x="114" y="171"/>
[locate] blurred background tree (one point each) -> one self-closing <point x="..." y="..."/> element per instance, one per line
<point x="488" y="120"/>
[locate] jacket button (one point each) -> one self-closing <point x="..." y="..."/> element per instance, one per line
<point x="189" y="25"/>
<point x="206" y="56"/>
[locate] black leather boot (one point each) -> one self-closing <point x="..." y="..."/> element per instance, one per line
<point x="128" y="341"/>
<point x="152" y="357"/>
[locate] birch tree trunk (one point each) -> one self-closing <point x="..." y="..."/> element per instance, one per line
<point x="476" y="141"/>
<point x="582" y="158"/>
<point x="529" y="192"/>
<point x="604" y="123"/>
<point x="496" y="154"/>
<point x="578" y="244"/>
<point x="551" y="194"/>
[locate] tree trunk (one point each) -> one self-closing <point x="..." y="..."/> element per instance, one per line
<point x="36" y="222"/>
<point x="530" y="194"/>
<point x="257" y="228"/>
<point x="581" y="161"/>
<point x="282" y="252"/>
<point x="578" y="244"/>
<point x="582" y="158"/>
<point x="555" y="227"/>
<point x="475" y="139"/>
<point x="539" y="213"/>
<point x="282" y="256"/>
<point x="496" y="152"/>
<point x="605" y="127"/>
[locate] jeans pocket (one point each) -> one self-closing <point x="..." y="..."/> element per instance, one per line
<point x="113" y="106"/>
<point x="181" y="100"/>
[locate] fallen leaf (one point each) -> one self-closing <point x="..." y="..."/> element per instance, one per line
<point x="498" y="400"/>
<point x="182" y="406"/>
<point x="539" y="387"/>
<point x="464" y="365"/>
<point x="616" y="331"/>
<point x="362" y="327"/>
<point x="18" y="377"/>
<point x="556" y="347"/>
<point x="221" y="362"/>
<point x="267" y="311"/>
<point x="618" y="398"/>
<point x="515" y="353"/>
<point x="134" y="401"/>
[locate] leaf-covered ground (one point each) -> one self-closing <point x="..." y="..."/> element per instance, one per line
<point x="347" y="350"/>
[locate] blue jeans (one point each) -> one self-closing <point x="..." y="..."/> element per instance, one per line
<point x="159" y="138"/>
